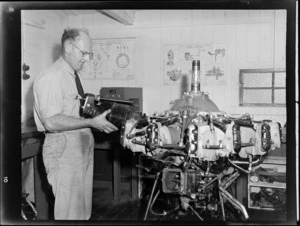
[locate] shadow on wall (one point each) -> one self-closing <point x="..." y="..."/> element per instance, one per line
<point x="56" y="52"/>
<point x="28" y="118"/>
<point x="184" y="84"/>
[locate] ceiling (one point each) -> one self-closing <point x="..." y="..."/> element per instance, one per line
<point x="123" y="16"/>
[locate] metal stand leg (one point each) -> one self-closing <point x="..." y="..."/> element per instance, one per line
<point x="221" y="201"/>
<point x="234" y="202"/>
<point x="151" y="196"/>
<point x="222" y="206"/>
<point x="116" y="173"/>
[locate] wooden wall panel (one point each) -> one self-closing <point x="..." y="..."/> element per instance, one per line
<point x="153" y="52"/>
<point x="166" y="18"/>
<point x="253" y="42"/>
<point x="219" y="34"/>
<point x="197" y="35"/>
<point x="266" y="42"/>
<point x="155" y="16"/>
<point x="197" y="17"/>
<point x="280" y="38"/>
<point x="181" y="17"/>
<point x="186" y="34"/>
<point x="208" y="34"/>
<point x="231" y="16"/>
<point x="176" y="35"/>
<point x="241" y="43"/>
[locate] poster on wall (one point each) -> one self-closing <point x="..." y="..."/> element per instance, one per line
<point x="178" y="62"/>
<point x="112" y="59"/>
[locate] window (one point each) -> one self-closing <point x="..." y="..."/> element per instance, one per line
<point x="262" y="87"/>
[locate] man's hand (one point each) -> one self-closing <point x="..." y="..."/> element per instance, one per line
<point x="99" y="122"/>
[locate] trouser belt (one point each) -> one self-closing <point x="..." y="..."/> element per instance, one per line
<point x="47" y="132"/>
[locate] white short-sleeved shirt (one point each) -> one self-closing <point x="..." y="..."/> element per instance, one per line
<point x="55" y="92"/>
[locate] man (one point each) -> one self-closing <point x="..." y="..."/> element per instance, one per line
<point x="68" y="150"/>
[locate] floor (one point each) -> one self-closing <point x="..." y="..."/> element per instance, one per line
<point x="127" y="210"/>
<point x="105" y="209"/>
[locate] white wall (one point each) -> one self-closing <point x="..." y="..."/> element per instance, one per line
<point x="254" y="39"/>
<point x="41" y="34"/>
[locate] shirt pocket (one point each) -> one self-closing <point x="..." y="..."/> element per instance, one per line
<point x="72" y="105"/>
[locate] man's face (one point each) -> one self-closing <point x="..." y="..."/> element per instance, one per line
<point x="82" y="45"/>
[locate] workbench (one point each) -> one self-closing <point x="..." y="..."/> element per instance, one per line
<point x="31" y="144"/>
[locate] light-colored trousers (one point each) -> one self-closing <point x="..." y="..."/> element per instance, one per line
<point x="69" y="163"/>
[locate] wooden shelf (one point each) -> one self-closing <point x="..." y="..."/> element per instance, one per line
<point x="277" y="160"/>
<point x="275" y="163"/>
<point x="268" y="185"/>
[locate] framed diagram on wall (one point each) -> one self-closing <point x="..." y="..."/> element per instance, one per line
<point x="113" y="59"/>
<point x="178" y="62"/>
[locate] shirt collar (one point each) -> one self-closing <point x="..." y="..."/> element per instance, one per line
<point x="66" y="66"/>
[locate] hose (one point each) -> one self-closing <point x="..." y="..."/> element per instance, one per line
<point x="164" y="213"/>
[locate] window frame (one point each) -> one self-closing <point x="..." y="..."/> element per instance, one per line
<point x="242" y="88"/>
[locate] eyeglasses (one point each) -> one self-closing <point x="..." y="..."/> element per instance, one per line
<point x="85" y="55"/>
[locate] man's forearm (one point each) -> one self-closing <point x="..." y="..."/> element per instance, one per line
<point x="63" y="123"/>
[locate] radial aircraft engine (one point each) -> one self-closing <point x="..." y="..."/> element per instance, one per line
<point x="196" y="153"/>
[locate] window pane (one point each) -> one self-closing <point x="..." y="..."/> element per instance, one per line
<point x="257" y="79"/>
<point x="279" y="79"/>
<point x="279" y="96"/>
<point x="257" y="96"/>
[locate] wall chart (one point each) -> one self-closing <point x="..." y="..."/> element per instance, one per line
<point x="178" y="62"/>
<point x="113" y="59"/>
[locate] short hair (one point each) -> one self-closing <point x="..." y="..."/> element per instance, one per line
<point x="72" y="34"/>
